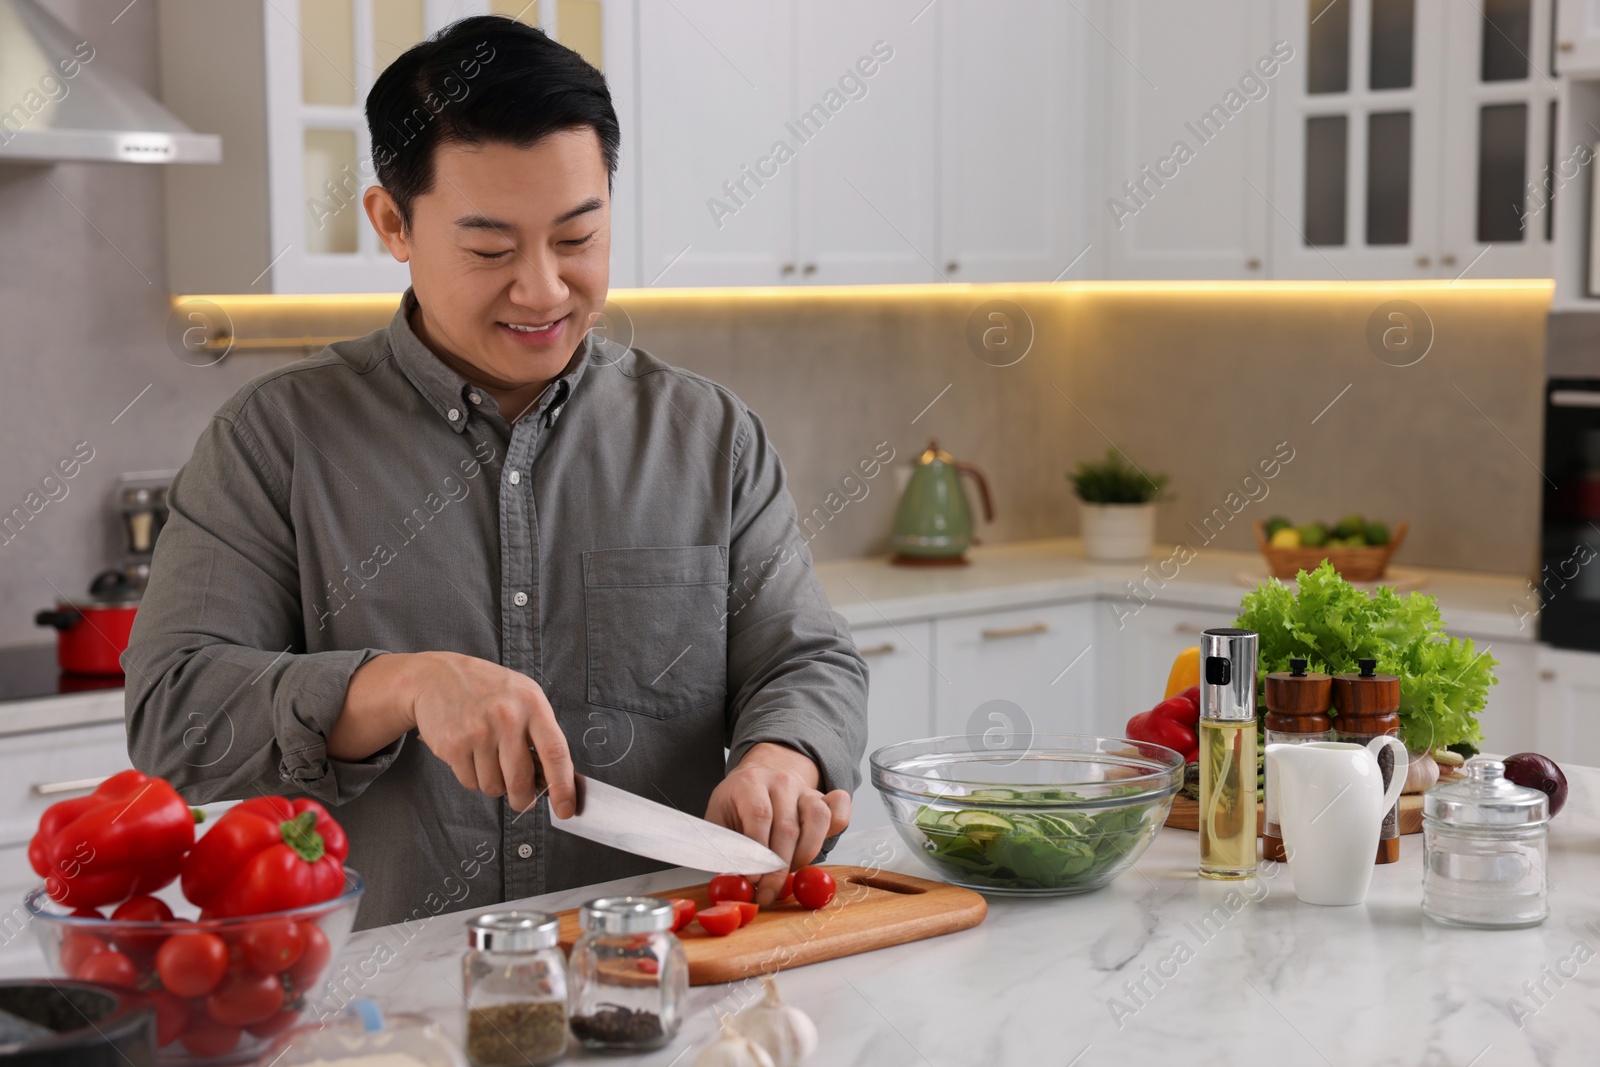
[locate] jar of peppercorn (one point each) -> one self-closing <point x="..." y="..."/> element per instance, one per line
<point x="515" y="983"/>
<point x="629" y="974"/>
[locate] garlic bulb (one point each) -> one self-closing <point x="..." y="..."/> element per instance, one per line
<point x="1422" y="773"/>
<point x="784" y="1031"/>
<point x="732" y="1049"/>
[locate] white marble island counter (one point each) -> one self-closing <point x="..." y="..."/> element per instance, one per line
<point x="1158" y="968"/>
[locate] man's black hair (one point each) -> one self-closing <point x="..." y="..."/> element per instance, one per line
<point x="482" y="79"/>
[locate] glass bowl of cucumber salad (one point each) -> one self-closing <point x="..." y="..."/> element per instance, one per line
<point x="1067" y="813"/>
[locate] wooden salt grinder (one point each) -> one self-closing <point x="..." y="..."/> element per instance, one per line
<point x="1368" y="706"/>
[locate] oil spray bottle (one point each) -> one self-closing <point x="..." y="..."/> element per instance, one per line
<point x="1227" y="753"/>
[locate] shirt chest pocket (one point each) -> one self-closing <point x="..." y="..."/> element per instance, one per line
<point x="657" y="645"/>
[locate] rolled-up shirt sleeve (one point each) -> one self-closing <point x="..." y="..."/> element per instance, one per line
<point x="794" y="675"/>
<point x="223" y="698"/>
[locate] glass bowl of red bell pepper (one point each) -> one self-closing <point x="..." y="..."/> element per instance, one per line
<point x="1050" y="815"/>
<point x="223" y="988"/>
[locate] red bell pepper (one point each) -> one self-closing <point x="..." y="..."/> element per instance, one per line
<point x="267" y="854"/>
<point x="126" y="838"/>
<point x="1174" y="723"/>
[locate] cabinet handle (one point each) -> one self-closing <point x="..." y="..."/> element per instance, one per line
<point x="1252" y="263"/>
<point x="809" y="268"/>
<point x="1447" y="260"/>
<point x="1016" y="631"/>
<point x="1547" y="675"/>
<point x="78" y="785"/>
<point x="1565" y="46"/>
<point x="1189" y="628"/>
<point x="1423" y="261"/>
<point x="787" y="268"/>
<point x="951" y="267"/>
<point x="877" y="650"/>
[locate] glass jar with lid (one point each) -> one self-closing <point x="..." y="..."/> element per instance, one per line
<point x="1484" y="850"/>
<point x="515" y="984"/>
<point x="629" y="974"/>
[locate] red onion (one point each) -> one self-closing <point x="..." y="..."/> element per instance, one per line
<point x="1539" y="772"/>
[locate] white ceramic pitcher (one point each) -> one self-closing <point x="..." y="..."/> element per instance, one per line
<point x="1330" y="801"/>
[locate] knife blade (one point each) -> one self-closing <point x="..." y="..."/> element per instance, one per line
<point x="636" y="824"/>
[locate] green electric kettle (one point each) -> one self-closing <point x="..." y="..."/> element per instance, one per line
<point x="933" y="523"/>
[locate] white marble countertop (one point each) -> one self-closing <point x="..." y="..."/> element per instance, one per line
<point x="1263" y="980"/>
<point x="869" y="591"/>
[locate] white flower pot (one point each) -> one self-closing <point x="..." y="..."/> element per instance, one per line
<point x="1117" y="532"/>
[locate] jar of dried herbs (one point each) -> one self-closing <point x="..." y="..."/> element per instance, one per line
<point x="515" y="983"/>
<point x="629" y="974"/>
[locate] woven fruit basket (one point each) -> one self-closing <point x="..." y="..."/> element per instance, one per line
<point x="1365" y="564"/>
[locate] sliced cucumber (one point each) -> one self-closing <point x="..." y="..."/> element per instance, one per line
<point x="982" y="821"/>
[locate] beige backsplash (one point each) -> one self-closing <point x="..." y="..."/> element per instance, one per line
<point x="1198" y="382"/>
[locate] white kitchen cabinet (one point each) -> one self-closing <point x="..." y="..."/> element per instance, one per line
<point x="1185" y="187"/>
<point x="1025" y="671"/>
<point x="899" y="703"/>
<point x="1146" y="640"/>
<point x="1569" y="697"/>
<point x="1014" y="114"/>
<point x="1578" y="36"/>
<point x="1510" y="720"/>
<point x="286" y="84"/>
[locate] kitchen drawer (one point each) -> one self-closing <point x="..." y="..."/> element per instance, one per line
<point x="34" y="768"/>
<point x="899" y="706"/>
<point x="1014" y="671"/>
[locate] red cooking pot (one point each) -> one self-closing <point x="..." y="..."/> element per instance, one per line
<point x="92" y="634"/>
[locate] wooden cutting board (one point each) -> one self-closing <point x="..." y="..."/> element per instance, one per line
<point x="873" y="909"/>
<point x="1186" y="814"/>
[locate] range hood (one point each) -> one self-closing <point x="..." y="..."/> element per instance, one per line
<point x="59" y="102"/>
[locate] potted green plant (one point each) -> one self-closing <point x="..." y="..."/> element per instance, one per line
<point x="1118" y="505"/>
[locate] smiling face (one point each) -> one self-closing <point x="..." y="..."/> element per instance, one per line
<point x="510" y="257"/>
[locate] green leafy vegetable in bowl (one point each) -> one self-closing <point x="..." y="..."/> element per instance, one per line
<point x="1444" y="683"/>
<point x="1005" y="846"/>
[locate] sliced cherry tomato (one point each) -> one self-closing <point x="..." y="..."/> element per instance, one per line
<point x="141" y="910"/>
<point x="726" y="887"/>
<point x="208" y="1039"/>
<point x="192" y="965"/>
<point x="719" y="920"/>
<point x="109" y="968"/>
<point x="275" y="1024"/>
<point x="747" y="911"/>
<point x="648" y="965"/>
<point x="814" y="887"/>
<point x="788" y="888"/>
<point x="244" y="998"/>
<point x="272" y="945"/>
<point x="307" y="970"/>
<point x="76" y="948"/>
<point x="172" y="1015"/>
<point x="682" y="913"/>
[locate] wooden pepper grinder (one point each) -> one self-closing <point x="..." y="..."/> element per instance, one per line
<point x="1368" y="706"/>
<point x="1297" y="712"/>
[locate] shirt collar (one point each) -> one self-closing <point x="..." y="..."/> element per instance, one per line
<point x="450" y="394"/>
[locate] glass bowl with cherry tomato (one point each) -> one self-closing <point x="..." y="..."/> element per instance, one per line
<point x="223" y="989"/>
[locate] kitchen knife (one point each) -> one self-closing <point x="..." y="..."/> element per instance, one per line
<point x="635" y="824"/>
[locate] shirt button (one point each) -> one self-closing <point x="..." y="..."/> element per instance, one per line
<point x="475" y="398"/>
<point x="520" y="599"/>
<point x="524" y="850"/>
<point x="454" y="414"/>
<point x="515" y="477"/>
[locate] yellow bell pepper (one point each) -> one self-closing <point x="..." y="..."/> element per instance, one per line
<point x="1185" y="672"/>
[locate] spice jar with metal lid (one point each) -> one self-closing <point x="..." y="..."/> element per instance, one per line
<point x="515" y="983"/>
<point x="1297" y="703"/>
<point x="1368" y="706"/>
<point x="629" y="974"/>
<point x="1484" y="842"/>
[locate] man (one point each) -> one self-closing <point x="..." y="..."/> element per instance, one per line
<point x="393" y="568"/>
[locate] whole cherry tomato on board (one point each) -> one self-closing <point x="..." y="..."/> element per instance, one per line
<point x="726" y="887"/>
<point x="814" y="887"/>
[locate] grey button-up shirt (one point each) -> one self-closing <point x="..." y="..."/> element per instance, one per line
<point x="628" y="544"/>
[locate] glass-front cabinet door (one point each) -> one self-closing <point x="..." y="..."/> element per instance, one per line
<point x="322" y="58"/>
<point x="1501" y="144"/>
<point x="1359" y="123"/>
